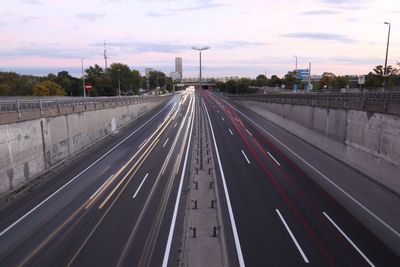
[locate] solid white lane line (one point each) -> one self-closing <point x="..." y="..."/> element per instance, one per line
<point x="292" y="236"/>
<point x="230" y="131"/>
<point x="272" y="157"/>
<point x="166" y="141"/>
<point x="175" y="124"/>
<point x="348" y="239"/>
<point x="144" y="141"/>
<point x="244" y="155"/>
<point x="248" y="132"/>
<point x="227" y="198"/>
<point x="101" y="187"/>
<point x="140" y="186"/>
<point x="79" y="174"/>
<point x="178" y="196"/>
<point x="321" y="174"/>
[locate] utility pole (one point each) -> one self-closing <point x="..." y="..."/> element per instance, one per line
<point x="83" y="79"/>
<point x="119" y="84"/>
<point x="309" y="77"/>
<point x="385" y="72"/>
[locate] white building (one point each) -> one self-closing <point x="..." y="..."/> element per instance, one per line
<point x="147" y="71"/>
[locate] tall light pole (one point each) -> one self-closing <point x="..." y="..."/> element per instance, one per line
<point x="119" y="84"/>
<point x="83" y="79"/>
<point x="200" y="49"/>
<point x="295" y="76"/>
<point x="385" y="74"/>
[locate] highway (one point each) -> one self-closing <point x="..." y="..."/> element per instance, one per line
<point x="282" y="216"/>
<point x="112" y="206"/>
<point x="121" y="202"/>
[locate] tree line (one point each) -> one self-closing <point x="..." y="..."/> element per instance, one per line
<point x="328" y="81"/>
<point x="104" y="83"/>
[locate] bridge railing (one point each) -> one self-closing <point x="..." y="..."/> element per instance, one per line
<point x="20" y="105"/>
<point x="387" y="102"/>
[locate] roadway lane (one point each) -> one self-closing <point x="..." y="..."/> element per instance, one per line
<point x="89" y="220"/>
<point x="283" y="217"/>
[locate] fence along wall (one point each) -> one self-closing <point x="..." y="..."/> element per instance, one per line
<point x="28" y="148"/>
<point x="368" y="141"/>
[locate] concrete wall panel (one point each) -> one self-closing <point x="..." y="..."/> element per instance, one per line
<point x="23" y="155"/>
<point x="369" y="142"/>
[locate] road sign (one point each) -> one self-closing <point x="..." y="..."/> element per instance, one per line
<point x="361" y="79"/>
<point x="302" y="74"/>
<point x="88" y="87"/>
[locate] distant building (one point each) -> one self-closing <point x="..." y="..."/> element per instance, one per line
<point x="147" y="71"/>
<point x="175" y="75"/>
<point x="178" y="66"/>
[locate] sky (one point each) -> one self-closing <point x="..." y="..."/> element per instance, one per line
<point x="246" y="37"/>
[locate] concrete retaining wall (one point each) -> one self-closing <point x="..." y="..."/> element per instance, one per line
<point x="369" y="142"/>
<point x="29" y="148"/>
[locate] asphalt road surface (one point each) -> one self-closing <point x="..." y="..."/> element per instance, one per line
<point x="281" y="216"/>
<point x="111" y="207"/>
<point x="119" y="204"/>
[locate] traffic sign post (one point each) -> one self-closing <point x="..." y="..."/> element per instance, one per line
<point x="88" y="87"/>
<point x="361" y="81"/>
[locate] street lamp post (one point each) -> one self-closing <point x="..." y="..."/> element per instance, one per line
<point x="83" y="79"/>
<point x="119" y="84"/>
<point x="385" y="73"/>
<point x="295" y="65"/>
<point x="200" y="49"/>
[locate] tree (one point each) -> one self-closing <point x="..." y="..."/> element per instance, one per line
<point x="94" y="74"/>
<point x="136" y="81"/>
<point x="327" y="80"/>
<point x="47" y="88"/>
<point x="124" y="73"/>
<point x="290" y="79"/>
<point x="274" y="81"/>
<point x="71" y="85"/>
<point x="261" y="80"/>
<point x="156" y="78"/>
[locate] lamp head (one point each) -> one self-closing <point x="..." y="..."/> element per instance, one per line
<point x="200" y="48"/>
<point x="387" y="23"/>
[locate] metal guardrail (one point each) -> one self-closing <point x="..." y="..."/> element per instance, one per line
<point x="326" y="99"/>
<point x="73" y="102"/>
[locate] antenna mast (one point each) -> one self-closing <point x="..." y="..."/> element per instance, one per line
<point x="105" y="56"/>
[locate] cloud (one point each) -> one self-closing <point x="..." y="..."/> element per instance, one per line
<point x="320" y="36"/>
<point x="28" y="19"/>
<point x="156" y="14"/>
<point x="91" y="16"/>
<point x="320" y="12"/>
<point x="346" y="4"/>
<point x="110" y="1"/>
<point x="195" y="6"/>
<point x="32" y="2"/>
<point x="144" y="47"/>
<point x="237" y="44"/>
<point x="46" y="51"/>
<point x="356" y="61"/>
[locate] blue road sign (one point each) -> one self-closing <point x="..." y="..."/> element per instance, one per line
<point x="302" y="74"/>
